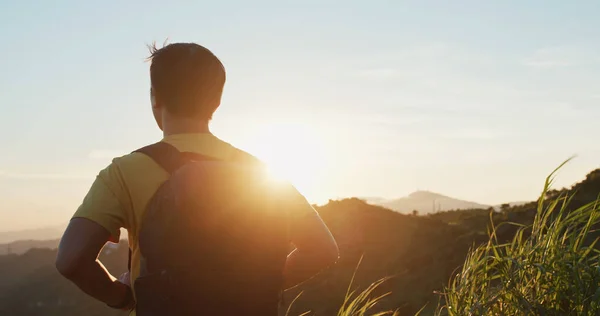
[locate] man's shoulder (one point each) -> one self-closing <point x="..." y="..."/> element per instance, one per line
<point x="132" y="163"/>
<point x="244" y="157"/>
<point x="131" y="159"/>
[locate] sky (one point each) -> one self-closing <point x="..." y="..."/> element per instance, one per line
<point x="478" y="100"/>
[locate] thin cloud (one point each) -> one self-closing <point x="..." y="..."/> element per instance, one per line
<point x="558" y="57"/>
<point x="43" y="176"/>
<point x="379" y="73"/>
<point x="474" y="134"/>
<point x="547" y="63"/>
<point x="104" y="154"/>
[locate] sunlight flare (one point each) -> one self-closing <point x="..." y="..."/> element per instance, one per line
<point x="292" y="152"/>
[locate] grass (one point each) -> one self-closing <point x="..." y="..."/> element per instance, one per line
<point x="358" y="303"/>
<point x="555" y="270"/>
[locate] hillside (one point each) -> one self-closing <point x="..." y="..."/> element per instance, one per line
<point x="428" y="202"/>
<point x="420" y="252"/>
<point x="500" y="207"/>
<point x="42" y="233"/>
<point x="32" y="286"/>
<point x="22" y="246"/>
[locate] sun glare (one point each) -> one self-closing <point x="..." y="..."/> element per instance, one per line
<point x="292" y="153"/>
<point x="275" y="175"/>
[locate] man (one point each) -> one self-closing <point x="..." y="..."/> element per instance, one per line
<point x="187" y="82"/>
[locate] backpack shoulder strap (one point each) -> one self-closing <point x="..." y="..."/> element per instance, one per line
<point x="168" y="157"/>
<point x="164" y="154"/>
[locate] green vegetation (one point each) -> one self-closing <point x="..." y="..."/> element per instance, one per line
<point x="539" y="258"/>
<point x="555" y="270"/>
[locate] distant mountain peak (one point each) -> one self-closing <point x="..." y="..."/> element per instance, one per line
<point x="425" y="201"/>
<point x="424" y="194"/>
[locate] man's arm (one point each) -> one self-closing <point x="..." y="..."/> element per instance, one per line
<point x="97" y="220"/>
<point x="316" y="249"/>
<point x="77" y="260"/>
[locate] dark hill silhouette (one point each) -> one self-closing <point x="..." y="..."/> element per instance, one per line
<point x="420" y="251"/>
<point x="499" y="207"/>
<point x="375" y="200"/>
<point x="32" y="286"/>
<point x="22" y="246"/>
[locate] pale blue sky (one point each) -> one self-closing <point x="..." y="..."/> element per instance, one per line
<point x="378" y="98"/>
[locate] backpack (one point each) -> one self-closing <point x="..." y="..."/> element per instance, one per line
<point x="213" y="239"/>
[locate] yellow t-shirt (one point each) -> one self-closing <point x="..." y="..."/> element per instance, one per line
<point x="119" y="195"/>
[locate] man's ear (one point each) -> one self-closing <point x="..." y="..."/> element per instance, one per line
<point x="153" y="98"/>
<point x="156" y="111"/>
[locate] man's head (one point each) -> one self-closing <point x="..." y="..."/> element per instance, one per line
<point x="187" y="82"/>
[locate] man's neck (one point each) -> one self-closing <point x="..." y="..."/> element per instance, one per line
<point x="185" y="126"/>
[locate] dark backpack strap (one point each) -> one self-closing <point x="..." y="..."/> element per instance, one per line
<point x="129" y="260"/>
<point x="164" y="154"/>
<point x="169" y="158"/>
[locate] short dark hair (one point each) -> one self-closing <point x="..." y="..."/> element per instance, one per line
<point x="187" y="78"/>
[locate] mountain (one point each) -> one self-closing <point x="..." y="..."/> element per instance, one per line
<point x="43" y="233"/>
<point x="429" y="202"/>
<point x="31" y="285"/>
<point x="22" y="246"/>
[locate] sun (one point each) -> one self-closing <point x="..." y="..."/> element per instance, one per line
<point x="275" y="174"/>
<point x="293" y="153"/>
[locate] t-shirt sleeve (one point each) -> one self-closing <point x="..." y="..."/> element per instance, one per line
<point x="104" y="202"/>
<point x="297" y="205"/>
